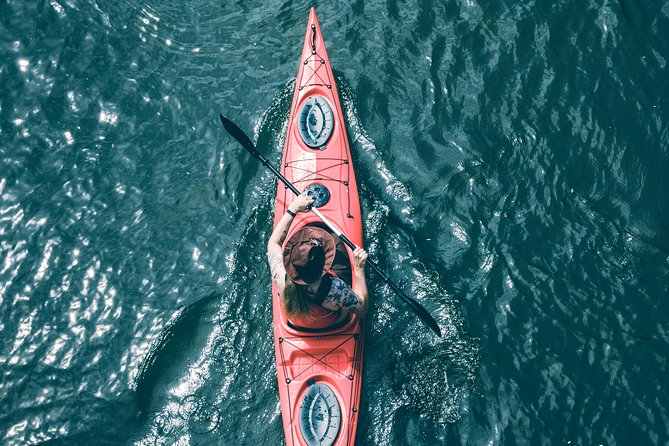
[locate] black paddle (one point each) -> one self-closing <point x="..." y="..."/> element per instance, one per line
<point x="244" y="140"/>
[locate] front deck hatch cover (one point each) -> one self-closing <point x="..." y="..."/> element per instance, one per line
<point x="316" y="121"/>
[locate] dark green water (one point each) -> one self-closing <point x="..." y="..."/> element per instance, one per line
<point x="513" y="163"/>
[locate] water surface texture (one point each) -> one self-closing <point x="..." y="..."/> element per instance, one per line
<point x="512" y="158"/>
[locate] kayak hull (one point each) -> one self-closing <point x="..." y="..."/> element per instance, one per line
<point x="307" y="363"/>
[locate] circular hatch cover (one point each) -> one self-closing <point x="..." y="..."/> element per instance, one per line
<point x="319" y="193"/>
<point x="316" y="121"/>
<point x="320" y="415"/>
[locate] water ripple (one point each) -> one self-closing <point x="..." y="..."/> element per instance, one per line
<point x="512" y="164"/>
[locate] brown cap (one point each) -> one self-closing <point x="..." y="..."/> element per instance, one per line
<point x="308" y="254"/>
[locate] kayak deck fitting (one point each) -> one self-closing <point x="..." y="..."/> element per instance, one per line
<point x="319" y="373"/>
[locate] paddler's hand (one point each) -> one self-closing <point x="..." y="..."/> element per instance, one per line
<point x="359" y="258"/>
<point x="302" y="203"/>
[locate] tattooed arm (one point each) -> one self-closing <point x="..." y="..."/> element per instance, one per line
<point x="276" y="268"/>
<point x="274" y="245"/>
<point x="347" y="299"/>
<point x="359" y="261"/>
<point x="341" y="297"/>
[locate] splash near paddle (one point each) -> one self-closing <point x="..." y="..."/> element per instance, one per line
<point x="319" y="373"/>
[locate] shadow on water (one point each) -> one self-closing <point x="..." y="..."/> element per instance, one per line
<point x="170" y="349"/>
<point x="183" y="385"/>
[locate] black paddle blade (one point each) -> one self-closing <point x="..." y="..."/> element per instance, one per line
<point x="417" y="308"/>
<point x="240" y="136"/>
<point x="420" y="311"/>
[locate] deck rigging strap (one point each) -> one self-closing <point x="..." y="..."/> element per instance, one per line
<point x="309" y="176"/>
<point x="316" y="359"/>
<point x="315" y="63"/>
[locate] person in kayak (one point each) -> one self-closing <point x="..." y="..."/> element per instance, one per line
<point x="313" y="296"/>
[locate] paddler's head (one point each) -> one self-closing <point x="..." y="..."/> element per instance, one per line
<point x="308" y="255"/>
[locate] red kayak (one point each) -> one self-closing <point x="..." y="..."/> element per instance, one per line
<point x="319" y="372"/>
